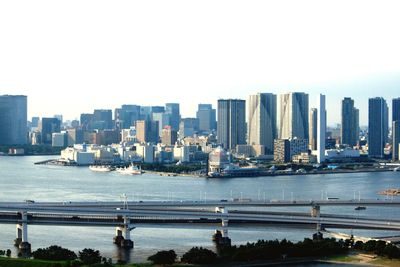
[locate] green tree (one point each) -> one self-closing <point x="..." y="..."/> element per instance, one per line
<point x="55" y="253"/>
<point x="200" y="255"/>
<point x="163" y="257"/>
<point x="90" y="256"/>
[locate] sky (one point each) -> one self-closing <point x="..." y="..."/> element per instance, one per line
<point x="70" y="57"/>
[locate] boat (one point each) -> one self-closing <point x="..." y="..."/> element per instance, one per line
<point x="131" y="170"/>
<point x="360" y="208"/>
<point x="100" y="168"/>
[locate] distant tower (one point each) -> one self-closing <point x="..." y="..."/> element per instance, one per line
<point x="349" y="132"/>
<point x="293" y="118"/>
<point x="313" y="128"/>
<point x="377" y="127"/>
<point x="172" y="109"/>
<point x="206" y="117"/>
<point x="396" y="109"/>
<point x="231" y="123"/>
<point x="13" y="120"/>
<point x="396" y="140"/>
<point x="261" y="121"/>
<point x="321" y="136"/>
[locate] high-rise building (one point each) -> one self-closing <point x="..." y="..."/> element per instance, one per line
<point x="75" y="136"/>
<point x="377" y="127"/>
<point x="47" y="127"/>
<point x="169" y="136"/>
<point x="172" y="109"/>
<point x="206" y="117"/>
<point x="396" y="140"/>
<point x="396" y="109"/>
<point x="146" y="131"/>
<point x="126" y="116"/>
<point x="261" y="119"/>
<point x="13" y="120"/>
<point x="102" y="119"/>
<point x="293" y="116"/>
<point x="349" y="132"/>
<point x="35" y="122"/>
<point x="321" y="132"/>
<point x="313" y="128"/>
<point x="86" y="121"/>
<point x="231" y="123"/>
<point x="162" y="118"/>
<point x="188" y="127"/>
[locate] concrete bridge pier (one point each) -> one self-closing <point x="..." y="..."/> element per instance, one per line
<point x="21" y="240"/>
<point x="316" y="213"/>
<point x="221" y="236"/>
<point x="122" y="236"/>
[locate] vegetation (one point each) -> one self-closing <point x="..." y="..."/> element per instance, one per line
<point x="163" y="257"/>
<point x="379" y="248"/>
<point x="172" y="168"/>
<point x="35" y="149"/>
<point x="54" y="253"/>
<point x="90" y="256"/>
<point x="200" y="255"/>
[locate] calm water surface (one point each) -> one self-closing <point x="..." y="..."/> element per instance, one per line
<point x="20" y="179"/>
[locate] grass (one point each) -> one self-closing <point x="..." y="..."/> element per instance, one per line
<point x="12" y="262"/>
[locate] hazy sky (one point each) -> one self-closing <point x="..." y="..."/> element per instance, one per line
<point x="70" y="57"/>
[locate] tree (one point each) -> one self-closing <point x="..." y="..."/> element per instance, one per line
<point x="54" y="253"/>
<point x="8" y="253"/>
<point x="163" y="257"/>
<point x="90" y="256"/>
<point x="199" y="256"/>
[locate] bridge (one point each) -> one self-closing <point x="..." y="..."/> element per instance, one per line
<point x="126" y="216"/>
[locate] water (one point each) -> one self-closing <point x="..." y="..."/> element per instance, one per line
<point x="20" y="179"/>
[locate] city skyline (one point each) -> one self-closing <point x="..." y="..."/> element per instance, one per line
<point x="153" y="53"/>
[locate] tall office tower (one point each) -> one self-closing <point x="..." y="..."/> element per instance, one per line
<point x="86" y="121"/>
<point x="47" y="127"/>
<point x="188" y="127"/>
<point x="231" y="123"/>
<point x="102" y="119"/>
<point x="146" y="131"/>
<point x="75" y="136"/>
<point x="13" y="120"/>
<point x="261" y="121"/>
<point x="377" y="126"/>
<point x="396" y="140"/>
<point x="172" y="109"/>
<point x="59" y="117"/>
<point x="396" y="109"/>
<point x="350" y="123"/>
<point x="169" y="136"/>
<point x="35" y="122"/>
<point x="321" y="135"/>
<point x="126" y="116"/>
<point x="313" y="129"/>
<point x="206" y="117"/>
<point x="293" y="117"/>
<point x="162" y="118"/>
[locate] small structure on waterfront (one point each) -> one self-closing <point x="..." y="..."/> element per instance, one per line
<point x="218" y="160"/>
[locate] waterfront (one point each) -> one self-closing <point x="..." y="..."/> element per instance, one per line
<point x="21" y="180"/>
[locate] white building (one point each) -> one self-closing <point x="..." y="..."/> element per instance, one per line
<point x="78" y="156"/>
<point x="321" y="130"/>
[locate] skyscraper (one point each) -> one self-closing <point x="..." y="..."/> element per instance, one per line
<point x="13" y="120"/>
<point x="313" y="128"/>
<point x="377" y="126"/>
<point x="172" y="109"/>
<point x="396" y="109"/>
<point x="146" y="131"/>
<point x="206" y="117"/>
<point x="321" y="132"/>
<point x="293" y="116"/>
<point x="396" y="140"/>
<point x="47" y="127"/>
<point x="350" y="123"/>
<point x="261" y="119"/>
<point x="102" y="119"/>
<point x="126" y="116"/>
<point x="231" y="122"/>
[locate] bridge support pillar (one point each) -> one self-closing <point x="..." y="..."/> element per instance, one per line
<point x="221" y="236"/>
<point x="123" y="235"/>
<point x="316" y="213"/>
<point x="21" y="240"/>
